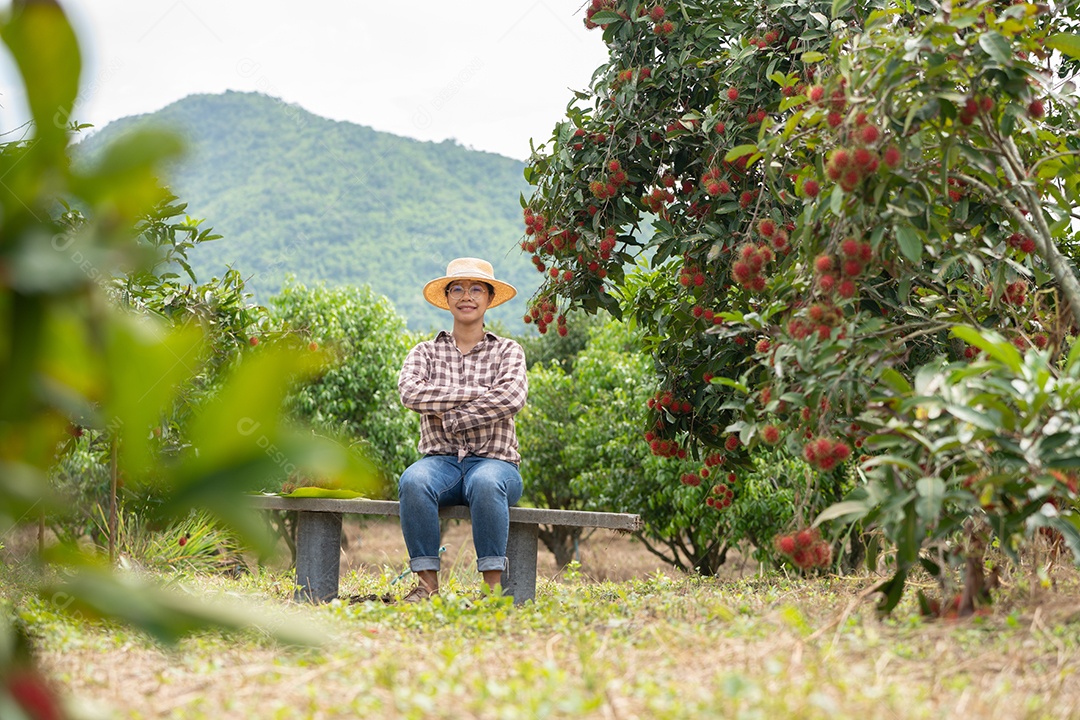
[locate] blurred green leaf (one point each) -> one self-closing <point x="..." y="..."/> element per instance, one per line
<point x="46" y="51"/>
<point x="167" y="615"/>
<point x="145" y="364"/>
<point x="1067" y="43"/>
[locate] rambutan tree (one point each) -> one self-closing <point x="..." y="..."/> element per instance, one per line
<point x="825" y="193"/>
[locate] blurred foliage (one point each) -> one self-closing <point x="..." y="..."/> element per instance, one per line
<point x="163" y="287"/>
<point x="336" y="202"/>
<point x="68" y="353"/>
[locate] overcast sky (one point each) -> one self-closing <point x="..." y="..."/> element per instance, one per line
<point x="491" y="75"/>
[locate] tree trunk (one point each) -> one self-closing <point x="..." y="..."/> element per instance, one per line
<point x="562" y="541"/>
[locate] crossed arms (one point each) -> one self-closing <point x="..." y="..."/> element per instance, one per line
<point x="425" y="388"/>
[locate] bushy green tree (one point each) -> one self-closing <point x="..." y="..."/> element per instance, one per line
<point x="581" y="448"/>
<point x="837" y="185"/>
<point x="356" y="396"/>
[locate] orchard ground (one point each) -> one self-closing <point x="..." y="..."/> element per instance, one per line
<point x="619" y="637"/>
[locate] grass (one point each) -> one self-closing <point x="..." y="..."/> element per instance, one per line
<point x="657" y="647"/>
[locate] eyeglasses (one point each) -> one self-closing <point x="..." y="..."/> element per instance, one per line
<point x="476" y="291"/>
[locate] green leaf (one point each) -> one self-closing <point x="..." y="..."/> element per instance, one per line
<point x="145" y="365"/>
<point x="606" y="16"/>
<point x="892" y="590"/>
<point x="996" y="347"/>
<point x="1074" y="357"/>
<point x="931" y="495"/>
<point x="850" y="510"/>
<point x="812" y="56"/>
<point x="976" y="418"/>
<point x="896" y="381"/>
<point x="318" y="492"/>
<point x="47" y="53"/>
<point x="166" y="614"/>
<point x="1066" y="43"/>
<point x="997" y="46"/>
<point x="1067" y="525"/>
<point x="739" y="151"/>
<point x="910" y="243"/>
<point x="731" y="383"/>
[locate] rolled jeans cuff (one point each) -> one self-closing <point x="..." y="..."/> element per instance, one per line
<point x="486" y="564"/>
<point x="419" y="564"/>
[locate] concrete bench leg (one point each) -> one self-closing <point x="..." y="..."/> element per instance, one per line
<point x="318" y="555"/>
<point x="519" y="580"/>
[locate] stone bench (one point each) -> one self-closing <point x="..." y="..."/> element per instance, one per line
<point x="318" y="538"/>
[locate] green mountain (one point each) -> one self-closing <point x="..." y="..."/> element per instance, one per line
<point x="292" y="192"/>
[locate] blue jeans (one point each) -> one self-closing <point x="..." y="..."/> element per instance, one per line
<point x="488" y="486"/>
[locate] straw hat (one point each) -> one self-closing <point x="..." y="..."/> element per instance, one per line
<point x="468" y="269"/>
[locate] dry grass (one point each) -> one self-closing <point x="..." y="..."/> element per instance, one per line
<point x="643" y="644"/>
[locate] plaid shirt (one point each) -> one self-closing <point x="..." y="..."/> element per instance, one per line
<point x="466" y="402"/>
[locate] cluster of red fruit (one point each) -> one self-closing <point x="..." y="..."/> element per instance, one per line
<point x="543" y="314"/>
<point x="836" y="102"/>
<point x="657" y="14"/>
<point x="564" y="275"/>
<point x="691" y="275"/>
<point x="826" y="454"/>
<point x="752" y="260"/>
<point x="1021" y="342"/>
<point x="607" y="243"/>
<point x="820" y="318"/>
<point x="657" y="200"/>
<point x="770" y="434"/>
<point x="755" y="116"/>
<point x="628" y="75"/>
<point x="580" y="137"/>
<point x="956" y="189"/>
<point x="805" y="548"/>
<point x="973" y="106"/>
<point x="691" y="479"/>
<point x="712" y="184"/>
<point x="594" y="7"/>
<point x="720" y="497"/>
<point x="664" y="448"/>
<point x="766" y="40"/>
<point x="1015" y="293"/>
<point x="1021" y="242"/>
<point x="850" y="166"/>
<point x="777" y="236"/>
<point x="854" y="256"/>
<point x="701" y="312"/>
<point x="605" y="188"/>
<point x="542" y="239"/>
<point x="535" y="223"/>
<point x="666" y="401"/>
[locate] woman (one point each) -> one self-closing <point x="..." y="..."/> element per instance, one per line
<point x="467" y="386"/>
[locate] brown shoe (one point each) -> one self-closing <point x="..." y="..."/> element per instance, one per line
<point x="420" y="593"/>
